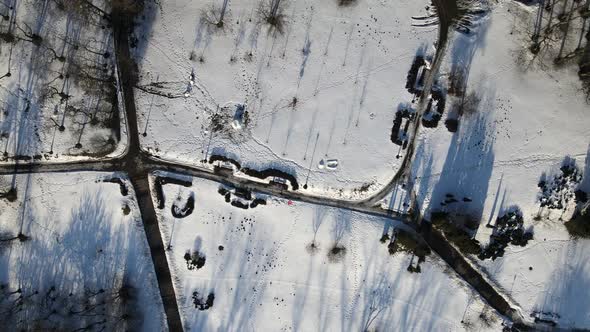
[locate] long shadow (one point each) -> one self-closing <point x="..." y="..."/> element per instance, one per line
<point x="69" y="273"/>
<point x="143" y="28"/>
<point x="463" y="184"/>
<point x="465" y="45"/>
<point x="585" y="184"/>
<point x="562" y="299"/>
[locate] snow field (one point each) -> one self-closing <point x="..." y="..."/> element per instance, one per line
<point x="326" y="88"/>
<point x="530" y="118"/>
<point x="265" y="274"/>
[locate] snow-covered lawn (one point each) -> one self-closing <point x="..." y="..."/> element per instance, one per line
<point x="523" y="120"/>
<point x="320" y="96"/>
<point x="84" y="258"/>
<point x="264" y="274"/>
<point x="551" y="274"/>
<point x="528" y="120"/>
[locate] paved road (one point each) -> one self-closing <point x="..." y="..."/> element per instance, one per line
<point x="447" y="11"/>
<point x="132" y="163"/>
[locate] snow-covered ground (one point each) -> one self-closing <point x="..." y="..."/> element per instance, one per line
<point x="264" y="273"/>
<point x="551" y="274"/>
<point x="57" y="83"/>
<point x="523" y="120"/>
<point x="84" y="257"/>
<point x="345" y="65"/>
<point x="526" y="123"/>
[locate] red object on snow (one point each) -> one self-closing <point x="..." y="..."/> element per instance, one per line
<point x="290" y="202"/>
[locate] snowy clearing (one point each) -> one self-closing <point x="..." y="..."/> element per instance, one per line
<point x="275" y="266"/>
<point x="325" y="86"/>
<point x="526" y="123"/>
<point x="523" y="128"/>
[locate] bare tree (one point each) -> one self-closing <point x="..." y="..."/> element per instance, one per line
<point x="550" y="16"/>
<point x="538" y="21"/>
<point x="566" y="29"/>
<point x="272" y="13"/>
<point x="222" y="15"/>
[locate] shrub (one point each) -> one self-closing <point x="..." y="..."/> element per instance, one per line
<point x="194" y="260"/>
<point x="336" y="253"/>
<point x="407" y="242"/>
<point x="181" y="212"/>
<point x="509" y="229"/>
<point x="344" y="3"/>
<point x="10" y="195"/>
<point x="202" y="304"/>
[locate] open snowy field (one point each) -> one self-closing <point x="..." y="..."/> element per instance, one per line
<point x="73" y="255"/>
<point x="523" y="120"/>
<point x="319" y="92"/>
<point x="247" y="269"/>
<point x="549" y="275"/>
<point x="58" y="94"/>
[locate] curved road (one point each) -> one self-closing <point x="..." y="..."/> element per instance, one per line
<point x="447" y="12"/>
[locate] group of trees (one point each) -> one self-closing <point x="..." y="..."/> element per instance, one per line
<point x="508" y="230"/>
<point x="562" y="22"/>
<point x="55" y="309"/>
<point x="64" y="52"/>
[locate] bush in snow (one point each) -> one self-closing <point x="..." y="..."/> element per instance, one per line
<point x="194" y="260"/>
<point x="509" y="229"/>
<point x="10" y="195"/>
<point x="346" y="2"/>
<point x="336" y="253"/>
<point x="455" y="234"/>
<point x="201" y="303"/>
<point x="181" y="212"/>
<point x="558" y="191"/>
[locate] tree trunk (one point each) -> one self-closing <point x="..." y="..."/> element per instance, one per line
<point x="538" y="21"/>
<point x="550" y="17"/>
<point x="567" y="26"/>
<point x="274" y="8"/>
<point x="585" y="61"/>
<point x="582" y="34"/>
<point x="223" y="9"/>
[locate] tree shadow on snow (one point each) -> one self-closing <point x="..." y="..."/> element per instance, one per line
<point x="585" y="184"/>
<point x="564" y="299"/>
<point x="72" y="259"/>
<point x="463" y="183"/>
